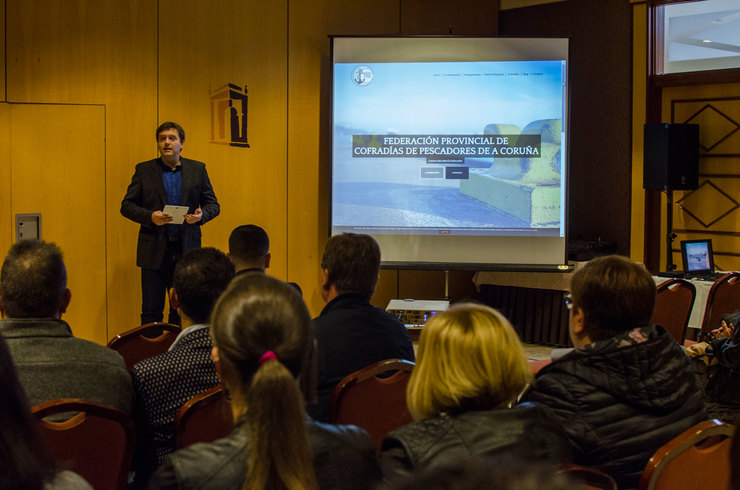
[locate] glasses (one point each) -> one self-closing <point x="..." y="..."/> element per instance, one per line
<point x="568" y="300"/>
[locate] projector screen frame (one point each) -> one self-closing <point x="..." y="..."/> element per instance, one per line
<point x="556" y="265"/>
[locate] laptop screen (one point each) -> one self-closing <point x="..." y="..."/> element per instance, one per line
<point x="697" y="256"/>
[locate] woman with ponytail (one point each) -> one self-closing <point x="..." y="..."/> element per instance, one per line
<point x="263" y="350"/>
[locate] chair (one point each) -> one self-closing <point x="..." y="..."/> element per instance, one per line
<point x="673" y="304"/>
<point x="204" y="418"/>
<point x="144" y="342"/>
<point x="723" y="298"/>
<point x="98" y="440"/>
<point x="377" y="404"/>
<point x="699" y="458"/>
<point x="589" y="478"/>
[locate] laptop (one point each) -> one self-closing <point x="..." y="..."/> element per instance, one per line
<point x="698" y="260"/>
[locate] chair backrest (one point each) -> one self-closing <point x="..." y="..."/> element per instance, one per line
<point x="204" y="418"/>
<point x="375" y="403"/>
<point x="723" y="298"/>
<point x="698" y="458"/>
<point x="673" y="304"/>
<point x="98" y="440"/>
<point x="144" y="341"/>
<point x="589" y="478"/>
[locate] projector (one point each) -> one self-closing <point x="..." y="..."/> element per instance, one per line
<point x="415" y="313"/>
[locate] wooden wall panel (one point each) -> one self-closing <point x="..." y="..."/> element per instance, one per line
<point x="712" y="210"/>
<point x="6" y="220"/>
<point x="442" y="17"/>
<point x="2" y="50"/>
<point x="241" y="43"/>
<point x="308" y="128"/>
<point x="69" y="197"/>
<point x="102" y="52"/>
<point x="639" y="94"/>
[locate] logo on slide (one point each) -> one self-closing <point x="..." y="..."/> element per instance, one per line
<point x="362" y="75"/>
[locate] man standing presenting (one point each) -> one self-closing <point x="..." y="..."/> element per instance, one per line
<point x="172" y="180"/>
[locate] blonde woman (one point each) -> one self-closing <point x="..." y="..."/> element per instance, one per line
<point x="470" y="370"/>
<point x="263" y="344"/>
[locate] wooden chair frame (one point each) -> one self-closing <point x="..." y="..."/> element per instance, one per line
<point x="201" y="401"/>
<point x="713" y="312"/>
<point x="155" y="337"/>
<point x="366" y="374"/>
<point x="705" y="438"/>
<point x="675" y="289"/>
<point x="85" y="409"/>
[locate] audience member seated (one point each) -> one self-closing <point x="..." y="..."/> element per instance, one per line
<point x="249" y="250"/>
<point x="26" y="465"/>
<point x="163" y="383"/>
<point x="52" y="363"/>
<point x="462" y="393"/>
<point x="350" y="332"/>
<point x="627" y="388"/>
<point x="263" y="343"/>
<point x="720" y="360"/>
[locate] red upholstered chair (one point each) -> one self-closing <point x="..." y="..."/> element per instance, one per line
<point x="723" y="298"/>
<point x="204" y="418"/>
<point x="699" y="458"/>
<point x="144" y="342"/>
<point x="377" y="404"/>
<point x="589" y="478"/>
<point x="97" y="442"/>
<point x="673" y="304"/>
<point x="535" y="366"/>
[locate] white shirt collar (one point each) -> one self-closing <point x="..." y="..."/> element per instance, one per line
<point x="190" y="329"/>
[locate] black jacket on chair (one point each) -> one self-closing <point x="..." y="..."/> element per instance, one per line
<point x="525" y="432"/>
<point x="621" y="399"/>
<point x="343" y="458"/>
<point x="147" y="194"/>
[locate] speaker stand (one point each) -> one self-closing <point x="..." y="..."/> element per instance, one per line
<point x="670" y="236"/>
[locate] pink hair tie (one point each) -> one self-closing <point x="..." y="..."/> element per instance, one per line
<point x="267" y="356"/>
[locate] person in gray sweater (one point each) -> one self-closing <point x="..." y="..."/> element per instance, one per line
<point x="51" y="362"/>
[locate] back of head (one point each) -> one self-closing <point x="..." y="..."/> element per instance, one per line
<point x="249" y="245"/>
<point x="615" y="294"/>
<point x="33" y="280"/>
<point x="263" y="333"/>
<point x="353" y="262"/>
<point x="470" y="358"/>
<point x="200" y="276"/>
<point x="25" y="462"/>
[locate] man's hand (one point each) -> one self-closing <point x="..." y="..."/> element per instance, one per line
<point x="724" y="331"/>
<point x="195" y="217"/>
<point x="696" y="350"/>
<point x="159" y="218"/>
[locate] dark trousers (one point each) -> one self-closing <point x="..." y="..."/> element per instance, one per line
<point x="155" y="285"/>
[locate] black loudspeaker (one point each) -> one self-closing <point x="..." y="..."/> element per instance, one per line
<point x="671" y="159"/>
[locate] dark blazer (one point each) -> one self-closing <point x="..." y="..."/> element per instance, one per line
<point x="350" y="335"/>
<point x="162" y="384"/>
<point x="147" y="194"/>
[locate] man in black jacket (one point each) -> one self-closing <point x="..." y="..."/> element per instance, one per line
<point x="172" y="180"/>
<point x="627" y="388"/>
<point x="350" y="332"/>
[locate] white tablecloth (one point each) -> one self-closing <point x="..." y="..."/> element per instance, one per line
<point x="700" y="301"/>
